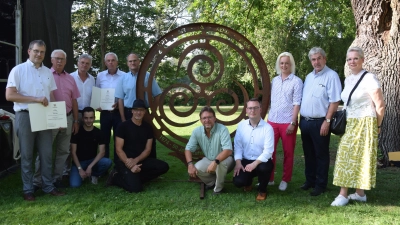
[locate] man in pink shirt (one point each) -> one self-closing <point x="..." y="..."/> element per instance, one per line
<point x="67" y="91"/>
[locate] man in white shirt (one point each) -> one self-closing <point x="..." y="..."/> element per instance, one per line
<point x="109" y="78"/>
<point x="32" y="82"/>
<point x="254" y="146"/>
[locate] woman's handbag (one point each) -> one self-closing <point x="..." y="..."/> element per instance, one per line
<point x="338" y="122"/>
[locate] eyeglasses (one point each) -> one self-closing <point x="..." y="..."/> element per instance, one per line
<point x="253" y="108"/>
<point x="58" y="59"/>
<point x="207" y="118"/>
<point x="37" y="51"/>
<point x="350" y="59"/>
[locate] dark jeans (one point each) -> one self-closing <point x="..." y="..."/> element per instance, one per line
<point x="262" y="171"/>
<point x="133" y="182"/>
<point x="108" y="120"/>
<point x="316" y="152"/>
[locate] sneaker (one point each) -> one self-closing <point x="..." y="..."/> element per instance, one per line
<point x="356" y="197"/>
<point x="271" y="183"/>
<point x="282" y="186"/>
<point x="340" y="200"/>
<point x="95" y="180"/>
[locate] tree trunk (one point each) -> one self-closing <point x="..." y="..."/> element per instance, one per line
<point x="105" y="10"/>
<point x="377" y="24"/>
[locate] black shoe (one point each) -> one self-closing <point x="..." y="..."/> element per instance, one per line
<point x="59" y="184"/>
<point x="110" y="178"/>
<point x="317" y="191"/>
<point x="217" y="192"/>
<point x="210" y="187"/>
<point x="306" y="186"/>
<point x="36" y="188"/>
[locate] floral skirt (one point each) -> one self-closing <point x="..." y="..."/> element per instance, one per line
<point x="355" y="165"/>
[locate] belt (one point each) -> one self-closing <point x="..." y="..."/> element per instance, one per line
<point x="312" y="118"/>
<point x="24" y="110"/>
<point x="126" y="108"/>
<point x="80" y="111"/>
<point x="111" y="111"/>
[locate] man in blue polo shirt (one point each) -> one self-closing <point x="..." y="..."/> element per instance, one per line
<point x="126" y="91"/>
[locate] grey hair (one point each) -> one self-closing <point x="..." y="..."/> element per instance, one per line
<point x="132" y="53"/>
<point x="111" y="53"/>
<point x="58" y="50"/>
<point x="292" y="63"/>
<point x="316" y="50"/>
<point x="85" y="56"/>
<point x="359" y="51"/>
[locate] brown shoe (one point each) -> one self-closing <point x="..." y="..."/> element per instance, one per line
<point x="110" y="178"/>
<point x="56" y="192"/>
<point x="29" y="197"/>
<point x="248" y="188"/>
<point x="261" y="196"/>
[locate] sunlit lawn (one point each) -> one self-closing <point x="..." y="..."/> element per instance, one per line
<point x="172" y="200"/>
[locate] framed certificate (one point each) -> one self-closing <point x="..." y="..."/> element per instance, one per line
<point x="53" y="116"/>
<point x="103" y="98"/>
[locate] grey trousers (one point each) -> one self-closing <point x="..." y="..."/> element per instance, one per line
<point x="27" y="141"/>
<point x="217" y="178"/>
<point x="61" y="138"/>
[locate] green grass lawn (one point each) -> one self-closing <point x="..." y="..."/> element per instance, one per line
<point x="172" y="200"/>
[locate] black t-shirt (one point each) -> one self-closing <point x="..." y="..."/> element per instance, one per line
<point x="87" y="143"/>
<point x="135" y="137"/>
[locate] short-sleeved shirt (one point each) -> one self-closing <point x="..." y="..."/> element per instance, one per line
<point x="87" y="143"/>
<point x="126" y="88"/>
<point x="85" y="89"/>
<point x="285" y="94"/>
<point x="66" y="88"/>
<point x="106" y="80"/>
<point x="319" y="90"/>
<point x="361" y="104"/>
<point x="219" y="140"/>
<point x="31" y="81"/>
<point x="254" y="143"/>
<point x="135" y="137"/>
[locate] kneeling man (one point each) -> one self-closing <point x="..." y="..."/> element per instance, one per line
<point x="215" y="142"/>
<point x="88" y="162"/>
<point x="134" y="139"/>
<point x="254" y="145"/>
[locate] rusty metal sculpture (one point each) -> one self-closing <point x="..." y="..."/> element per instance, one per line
<point x="196" y="40"/>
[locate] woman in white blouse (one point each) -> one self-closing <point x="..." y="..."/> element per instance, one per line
<point x="355" y="165"/>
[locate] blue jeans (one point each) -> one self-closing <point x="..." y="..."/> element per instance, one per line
<point x="99" y="169"/>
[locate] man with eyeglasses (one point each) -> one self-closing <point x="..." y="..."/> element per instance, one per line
<point x="321" y="97"/>
<point x="133" y="166"/>
<point x="126" y="91"/>
<point x="32" y="82"/>
<point x="215" y="143"/>
<point x="254" y="146"/>
<point x="67" y="91"/>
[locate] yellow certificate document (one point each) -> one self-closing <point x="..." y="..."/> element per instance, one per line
<point x="102" y="98"/>
<point x="53" y="116"/>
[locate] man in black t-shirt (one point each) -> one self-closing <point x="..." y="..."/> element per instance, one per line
<point x="134" y="139"/>
<point x="88" y="162"/>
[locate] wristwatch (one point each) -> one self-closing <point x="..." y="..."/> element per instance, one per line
<point x="328" y="120"/>
<point x="79" y="168"/>
<point x="216" y="161"/>
<point x="293" y="123"/>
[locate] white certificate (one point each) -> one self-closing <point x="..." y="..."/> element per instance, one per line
<point x="53" y="116"/>
<point x="102" y="98"/>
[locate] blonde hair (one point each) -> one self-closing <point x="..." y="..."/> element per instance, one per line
<point x="292" y="63"/>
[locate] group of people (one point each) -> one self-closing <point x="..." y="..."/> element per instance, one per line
<point x="88" y="146"/>
<point x="255" y="141"/>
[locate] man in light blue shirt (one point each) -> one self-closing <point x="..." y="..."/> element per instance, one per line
<point x="126" y="91"/>
<point x="321" y="97"/>
<point x="215" y="142"/>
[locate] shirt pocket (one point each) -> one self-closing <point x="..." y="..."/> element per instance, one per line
<point x="319" y="91"/>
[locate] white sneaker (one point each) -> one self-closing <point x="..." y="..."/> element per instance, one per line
<point x="95" y="180"/>
<point x="340" y="200"/>
<point x="271" y="183"/>
<point x="282" y="186"/>
<point x="356" y="197"/>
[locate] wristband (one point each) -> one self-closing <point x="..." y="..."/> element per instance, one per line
<point x="190" y="162"/>
<point x="76" y="121"/>
<point x="379" y="126"/>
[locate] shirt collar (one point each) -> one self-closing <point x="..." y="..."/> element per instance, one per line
<point x="30" y="63"/>
<point x="322" y="71"/>
<point x="258" y="124"/>
<point x="212" y="129"/>
<point x="289" y="77"/>
<point x="55" y="72"/>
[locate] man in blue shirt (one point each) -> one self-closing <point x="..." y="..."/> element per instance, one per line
<point x="126" y="91"/>
<point x="215" y="142"/>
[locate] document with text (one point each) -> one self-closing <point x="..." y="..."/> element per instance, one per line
<point x="102" y="98"/>
<point x="53" y="116"/>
